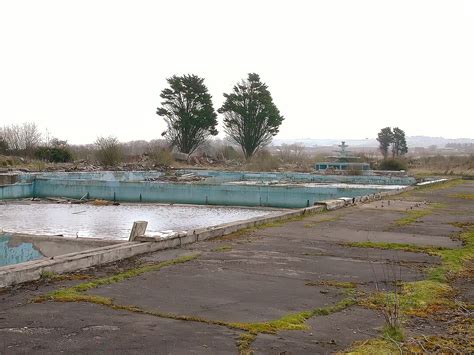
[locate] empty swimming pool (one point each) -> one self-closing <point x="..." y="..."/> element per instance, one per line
<point x="113" y="222"/>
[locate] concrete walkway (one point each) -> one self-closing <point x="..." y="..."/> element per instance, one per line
<point x="206" y="305"/>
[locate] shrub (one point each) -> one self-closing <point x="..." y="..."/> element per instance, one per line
<point x="161" y="156"/>
<point x="263" y="161"/>
<point x="393" y="164"/>
<point x="228" y="152"/>
<point x="3" y="146"/>
<point x="53" y="154"/>
<point x="109" y="152"/>
<point x="355" y="171"/>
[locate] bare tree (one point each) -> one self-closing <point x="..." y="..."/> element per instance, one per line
<point x="22" y="138"/>
<point x="3" y="144"/>
<point x="292" y="153"/>
<point x="11" y="135"/>
<point x="31" y="137"/>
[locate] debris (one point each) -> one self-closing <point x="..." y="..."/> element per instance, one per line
<point x="101" y="203"/>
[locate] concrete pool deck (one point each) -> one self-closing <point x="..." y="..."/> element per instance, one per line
<point x="200" y="298"/>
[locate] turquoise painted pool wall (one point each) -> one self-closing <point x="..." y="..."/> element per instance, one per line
<point x="215" y="176"/>
<point x="202" y="194"/>
<point x="16" y="191"/>
<point x="215" y="190"/>
<point x="15" y="254"/>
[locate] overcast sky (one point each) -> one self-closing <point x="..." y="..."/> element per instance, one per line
<point x="336" y="69"/>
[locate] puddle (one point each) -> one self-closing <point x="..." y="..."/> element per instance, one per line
<point x="113" y="222"/>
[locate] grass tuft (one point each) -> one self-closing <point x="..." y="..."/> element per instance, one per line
<point x="377" y="346"/>
<point x="393" y="333"/>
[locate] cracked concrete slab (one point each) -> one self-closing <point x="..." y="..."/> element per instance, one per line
<point x="324" y="335"/>
<point x="88" y="328"/>
<point x="225" y="293"/>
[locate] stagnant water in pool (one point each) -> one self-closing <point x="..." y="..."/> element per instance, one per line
<point x="113" y="222"/>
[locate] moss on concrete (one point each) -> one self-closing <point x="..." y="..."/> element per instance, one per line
<point x="463" y="225"/>
<point x="282" y="222"/>
<point x="463" y="196"/>
<point x="222" y="249"/>
<point x="412" y="217"/>
<point x="52" y="276"/>
<point x="424" y="297"/>
<point x="242" y="233"/>
<point x="431" y="250"/>
<point x="454" y="260"/>
<point x="244" y="343"/>
<point x="328" y="219"/>
<point x="293" y="321"/>
<point x="75" y="293"/>
<point x="68" y="295"/>
<point x="333" y="283"/>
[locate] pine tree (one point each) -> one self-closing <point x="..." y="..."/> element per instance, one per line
<point x="188" y="111"/>
<point x="251" y="119"/>
<point x="385" y="138"/>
